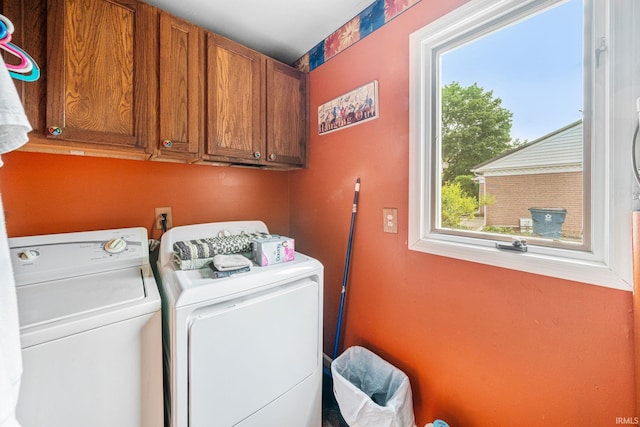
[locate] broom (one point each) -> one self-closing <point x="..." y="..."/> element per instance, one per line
<point x="346" y="269"/>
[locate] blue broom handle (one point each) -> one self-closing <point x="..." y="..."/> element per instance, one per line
<point x="354" y="210"/>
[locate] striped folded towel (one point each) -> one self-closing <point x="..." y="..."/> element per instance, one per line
<point x="194" y="254"/>
<point x="190" y="264"/>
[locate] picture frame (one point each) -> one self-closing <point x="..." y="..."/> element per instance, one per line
<point x="352" y="108"/>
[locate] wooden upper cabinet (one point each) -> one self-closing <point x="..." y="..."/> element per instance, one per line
<point x="235" y="105"/>
<point x="181" y="89"/>
<point x="101" y="75"/>
<point x="121" y="78"/>
<point x="287" y="120"/>
<point x="257" y="107"/>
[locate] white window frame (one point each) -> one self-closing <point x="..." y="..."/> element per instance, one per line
<point x="613" y="90"/>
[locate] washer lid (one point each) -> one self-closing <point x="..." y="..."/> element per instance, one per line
<point x="79" y="297"/>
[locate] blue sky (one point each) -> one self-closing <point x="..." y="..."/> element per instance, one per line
<point x="535" y="67"/>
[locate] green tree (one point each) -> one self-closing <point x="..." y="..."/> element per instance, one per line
<point x="455" y="205"/>
<point x="468" y="185"/>
<point x="475" y="128"/>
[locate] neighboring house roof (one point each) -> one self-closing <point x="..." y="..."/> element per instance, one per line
<point x="558" y="151"/>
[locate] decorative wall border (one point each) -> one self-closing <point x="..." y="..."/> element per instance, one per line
<point x="373" y="17"/>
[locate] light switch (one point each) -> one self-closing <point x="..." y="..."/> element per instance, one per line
<point x="390" y="220"/>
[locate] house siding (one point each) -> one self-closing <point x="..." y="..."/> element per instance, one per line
<point x="515" y="194"/>
<point x="561" y="148"/>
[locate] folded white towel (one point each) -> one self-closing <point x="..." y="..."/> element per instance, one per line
<point x="230" y="262"/>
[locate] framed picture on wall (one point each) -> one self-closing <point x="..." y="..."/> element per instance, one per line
<point x="355" y="107"/>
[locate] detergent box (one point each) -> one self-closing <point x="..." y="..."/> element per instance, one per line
<point x="273" y="250"/>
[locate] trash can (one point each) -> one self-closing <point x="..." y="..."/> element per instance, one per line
<point x="370" y="391"/>
<point x="547" y="222"/>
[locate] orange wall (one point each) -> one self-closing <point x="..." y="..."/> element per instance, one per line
<point x="482" y="346"/>
<point x="49" y="193"/>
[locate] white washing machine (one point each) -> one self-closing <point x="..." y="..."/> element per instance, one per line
<point x="243" y="350"/>
<point x="90" y="327"/>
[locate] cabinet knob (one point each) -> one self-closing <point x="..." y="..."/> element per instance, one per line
<point x="55" y="131"/>
<point x="272" y="156"/>
<point x="256" y="154"/>
<point x="167" y="143"/>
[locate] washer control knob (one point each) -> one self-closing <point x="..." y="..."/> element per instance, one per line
<point x="115" y="246"/>
<point x="28" y="255"/>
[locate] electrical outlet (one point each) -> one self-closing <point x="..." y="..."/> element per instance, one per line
<point x="390" y="218"/>
<point x="159" y="212"/>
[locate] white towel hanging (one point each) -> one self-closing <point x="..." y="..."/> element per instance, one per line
<point x="14" y="127"/>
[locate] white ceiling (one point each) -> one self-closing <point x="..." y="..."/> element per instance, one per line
<point x="282" y="29"/>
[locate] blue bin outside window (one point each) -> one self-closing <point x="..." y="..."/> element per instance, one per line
<point x="547" y="222"/>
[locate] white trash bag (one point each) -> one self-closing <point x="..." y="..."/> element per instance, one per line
<point x="370" y="391"/>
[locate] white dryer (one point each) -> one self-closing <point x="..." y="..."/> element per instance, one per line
<point x="90" y="326"/>
<point x="243" y="350"/>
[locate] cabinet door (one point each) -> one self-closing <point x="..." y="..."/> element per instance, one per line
<point x="181" y="89"/>
<point x="100" y="81"/>
<point x="287" y="120"/>
<point x="235" y="122"/>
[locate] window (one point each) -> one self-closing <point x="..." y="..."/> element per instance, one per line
<point x="519" y="131"/>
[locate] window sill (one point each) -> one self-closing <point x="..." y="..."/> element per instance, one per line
<point x="587" y="270"/>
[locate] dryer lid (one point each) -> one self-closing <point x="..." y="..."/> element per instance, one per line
<point x="82" y="297"/>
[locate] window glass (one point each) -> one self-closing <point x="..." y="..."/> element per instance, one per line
<point x="510" y="130"/>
